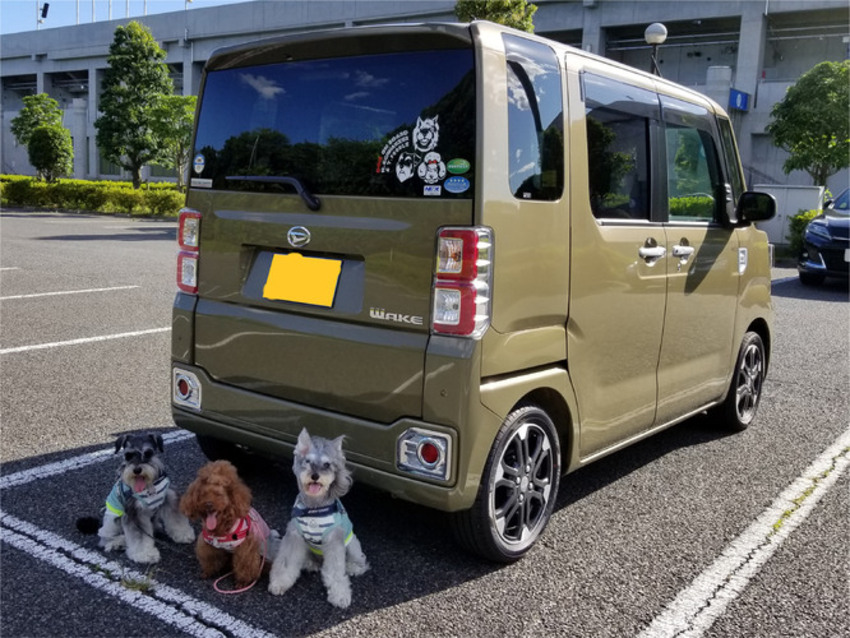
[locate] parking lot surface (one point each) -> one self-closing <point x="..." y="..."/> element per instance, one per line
<point x="692" y="532"/>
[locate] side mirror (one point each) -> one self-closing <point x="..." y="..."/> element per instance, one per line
<point x="755" y="207"/>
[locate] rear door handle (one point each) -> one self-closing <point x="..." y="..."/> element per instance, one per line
<point x="683" y="252"/>
<point x="651" y="251"/>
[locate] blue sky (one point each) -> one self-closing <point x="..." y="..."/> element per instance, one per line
<point x="22" y="15"/>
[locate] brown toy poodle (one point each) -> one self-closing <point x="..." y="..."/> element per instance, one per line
<point x="233" y="532"/>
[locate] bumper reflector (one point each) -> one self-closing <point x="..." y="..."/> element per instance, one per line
<point x="424" y="453"/>
<point x="185" y="389"/>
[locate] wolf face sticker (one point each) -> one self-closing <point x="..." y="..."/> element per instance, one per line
<point x="426" y="134"/>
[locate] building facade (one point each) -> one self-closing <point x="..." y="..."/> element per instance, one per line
<point x="742" y="54"/>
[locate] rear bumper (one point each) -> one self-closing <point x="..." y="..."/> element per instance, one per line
<point x="271" y="426"/>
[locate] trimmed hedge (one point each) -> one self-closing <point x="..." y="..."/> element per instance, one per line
<point x="161" y="199"/>
<point x="797" y="226"/>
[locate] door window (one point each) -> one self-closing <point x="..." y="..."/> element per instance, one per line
<point x="618" y="120"/>
<point x="695" y="188"/>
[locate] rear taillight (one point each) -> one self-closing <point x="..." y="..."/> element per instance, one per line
<point x="463" y="282"/>
<point x="189" y="239"/>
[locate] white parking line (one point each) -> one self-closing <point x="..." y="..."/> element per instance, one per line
<point x="76" y="342"/>
<point x="76" y="462"/>
<point x="168" y="604"/>
<point x="696" y="608"/>
<point x="9" y="268"/>
<point x="66" y="292"/>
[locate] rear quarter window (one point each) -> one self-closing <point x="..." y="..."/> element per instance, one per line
<point x="396" y="124"/>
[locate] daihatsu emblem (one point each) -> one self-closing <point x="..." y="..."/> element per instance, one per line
<point x="298" y="236"/>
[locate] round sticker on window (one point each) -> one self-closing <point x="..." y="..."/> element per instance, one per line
<point x="198" y="163"/>
<point x="456" y="184"/>
<point x="457" y="166"/>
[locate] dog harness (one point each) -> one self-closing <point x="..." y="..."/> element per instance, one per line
<point x="121" y="494"/>
<point x="316" y="523"/>
<point x="232" y="539"/>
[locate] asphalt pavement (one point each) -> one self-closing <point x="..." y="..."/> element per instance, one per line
<point x="691" y="533"/>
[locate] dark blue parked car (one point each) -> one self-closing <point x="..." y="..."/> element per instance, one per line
<point x="826" y="243"/>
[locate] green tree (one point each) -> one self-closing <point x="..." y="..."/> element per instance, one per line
<point x="511" y="13"/>
<point x="812" y="122"/>
<point x="133" y="85"/>
<point x="39" y="110"/>
<point x="51" y="151"/>
<point x="173" y="120"/>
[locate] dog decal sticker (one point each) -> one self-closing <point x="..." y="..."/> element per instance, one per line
<point x="432" y="169"/>
<point x="426" y="134"/>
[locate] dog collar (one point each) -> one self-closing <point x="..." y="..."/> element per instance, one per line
<point x="121" y="494"/>
<point x="239" y="532"/>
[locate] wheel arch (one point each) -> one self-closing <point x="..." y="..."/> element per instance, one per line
<point x="554" y="404"/>
<point x="761" y="328"/>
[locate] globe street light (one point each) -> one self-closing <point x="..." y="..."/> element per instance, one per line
<point x="655" y="34"/>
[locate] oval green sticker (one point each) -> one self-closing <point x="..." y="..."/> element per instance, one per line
<point x="457" y="166"/>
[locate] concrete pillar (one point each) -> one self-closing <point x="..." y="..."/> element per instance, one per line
<point x="718" y="81"/>
<point x="592" y="34"/>
<point x="188" y="68"/>
<point x="93" y="168"/>
<point x="752" y="41"/>
<point x="76" y="122"/>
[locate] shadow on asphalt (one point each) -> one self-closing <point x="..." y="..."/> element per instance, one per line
<point x="409" y="547"/>
<point x="829" y="290"/>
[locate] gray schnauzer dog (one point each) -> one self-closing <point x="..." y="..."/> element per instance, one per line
<point x="142" y="502"/>
<point x="319" y="535"/>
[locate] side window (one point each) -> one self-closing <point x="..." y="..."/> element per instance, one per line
<point x="535" y="120"/>
<point x="695" y="188"/>
<point x="618" y="120"/>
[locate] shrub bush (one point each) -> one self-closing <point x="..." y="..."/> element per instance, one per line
<point x="159" y="198"/>
<point x="797" y="226"/>
<point x="162" y="202"/>
<point x="16" y="192"/>
<point x="126" y="201"/>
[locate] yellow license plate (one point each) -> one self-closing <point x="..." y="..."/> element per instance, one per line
<point x="308" y="280"/>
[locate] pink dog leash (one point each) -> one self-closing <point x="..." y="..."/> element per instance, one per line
<point x="258" y="527"/>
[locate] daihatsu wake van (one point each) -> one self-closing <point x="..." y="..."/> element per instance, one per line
<point x="484" y="257"/>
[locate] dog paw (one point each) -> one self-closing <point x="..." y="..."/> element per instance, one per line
<point x="144" y="556"/>
<point x="339" y="597"/>
<point x="357" y="568"/>
<point x="183" y="536"/>
<point x="113" y="544"/>
<point x="277" y="589"/>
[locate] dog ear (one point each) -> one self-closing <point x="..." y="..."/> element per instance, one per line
<point x="156" y="441"/>
<point x="337" y="443"/>
<point x="120" y="442"/>
<point x="188" y="502"/>
<point x="240" y="497"/>
<point x="303" y="445"/>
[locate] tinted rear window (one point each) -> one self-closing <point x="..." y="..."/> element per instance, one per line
<point x="398" y="124"/>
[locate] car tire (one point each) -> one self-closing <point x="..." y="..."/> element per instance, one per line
<point x="811" y="278"/>
<point x="742" y="401"/>
<point x="518" y="489"/>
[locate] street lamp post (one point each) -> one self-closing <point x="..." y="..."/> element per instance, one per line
<point x="655" y="34"/>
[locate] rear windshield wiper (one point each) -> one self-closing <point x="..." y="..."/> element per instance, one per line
<point x="311" y="200"/>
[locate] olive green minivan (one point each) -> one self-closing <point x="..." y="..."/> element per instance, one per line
<point x="484" y="257"/>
